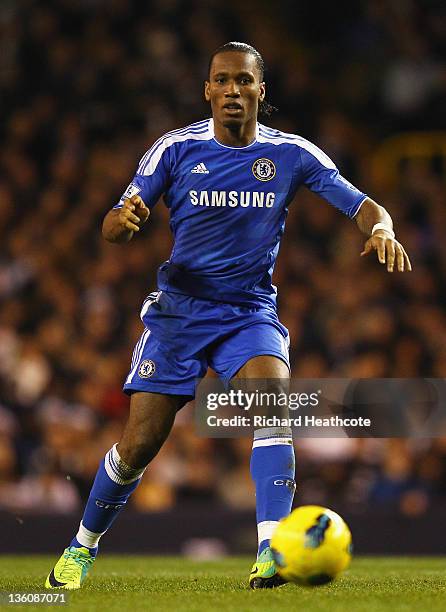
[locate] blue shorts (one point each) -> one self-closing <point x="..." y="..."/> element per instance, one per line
<point x="184" y="335"/>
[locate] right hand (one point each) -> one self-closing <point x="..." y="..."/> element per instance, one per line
<point x="133" y="213"/>
<point x="388" y="250"/>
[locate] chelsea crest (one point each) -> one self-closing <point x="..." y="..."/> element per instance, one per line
<point x="146" y="369"/>
<point x="264" y="169"/>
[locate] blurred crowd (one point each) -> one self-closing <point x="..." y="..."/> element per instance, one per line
<point x="86" y="87"/>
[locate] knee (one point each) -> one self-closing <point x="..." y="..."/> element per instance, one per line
<point x="139" y="450"/>
<point x="149" y="423"/>
<point x="278" y="386"/>
<point x="274" y="398"/>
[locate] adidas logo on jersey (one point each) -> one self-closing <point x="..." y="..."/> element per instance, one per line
<point x="200" y="169"/>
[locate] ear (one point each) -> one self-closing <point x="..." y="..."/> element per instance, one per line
<point x="262" y="91"/>
<point x="207" y="95"/>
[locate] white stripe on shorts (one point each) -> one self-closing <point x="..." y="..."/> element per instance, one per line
<point x="136" y="355"/>
<point x="142" y="343"/>
<point x="151" y="298"/>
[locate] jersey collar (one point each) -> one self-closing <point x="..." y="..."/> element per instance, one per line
<point x="211" y="130"/>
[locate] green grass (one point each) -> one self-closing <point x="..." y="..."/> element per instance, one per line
<point x="161" y="584"/>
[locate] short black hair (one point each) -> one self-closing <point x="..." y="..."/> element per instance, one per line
<point x="265" y="108"/>
<point x="240" y="47"/>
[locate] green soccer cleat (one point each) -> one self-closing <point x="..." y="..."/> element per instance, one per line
<point x="71" y="569"/>
<point x="264" y="572"/>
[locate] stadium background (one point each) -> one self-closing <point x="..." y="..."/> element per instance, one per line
<point x="85" y="88"/>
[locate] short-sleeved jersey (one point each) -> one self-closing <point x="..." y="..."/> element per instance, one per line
<point x="228" y="206"/>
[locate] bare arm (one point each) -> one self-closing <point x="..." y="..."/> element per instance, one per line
<point x="120" y="224"/>
<point x="370" y="214"/>
<point x="382" y="239"/>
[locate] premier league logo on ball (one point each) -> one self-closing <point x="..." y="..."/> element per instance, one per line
<point x="264" y="169"/>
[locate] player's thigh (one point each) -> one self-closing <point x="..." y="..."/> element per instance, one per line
<point x="255" y="360"/>
<point x="264" y="367"/>
<point x="267" y="377"/>
<point x="149" y="423"/>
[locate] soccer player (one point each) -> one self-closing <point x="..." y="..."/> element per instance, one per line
<point x="227" y="182"/>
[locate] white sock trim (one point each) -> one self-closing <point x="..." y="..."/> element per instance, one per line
<point x="118" y="471"/>
<point x="88" y="538"/>
<point x="271" y="442"/>
<point x="272" y="432"/>
<point x="265" y="530"/>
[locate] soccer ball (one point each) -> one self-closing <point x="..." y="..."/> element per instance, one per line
<point x="311" y="546"/>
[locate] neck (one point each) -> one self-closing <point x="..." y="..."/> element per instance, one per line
<point x="237" y="135"/>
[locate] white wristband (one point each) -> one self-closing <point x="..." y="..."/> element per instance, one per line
<point x="383" y="226"/>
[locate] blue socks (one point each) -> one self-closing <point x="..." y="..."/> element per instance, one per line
<point x="114" y="483"/>
<point x="272" y="469"/>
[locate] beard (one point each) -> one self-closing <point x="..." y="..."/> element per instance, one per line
<point x="232" y="123"/>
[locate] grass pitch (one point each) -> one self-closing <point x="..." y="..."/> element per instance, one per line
<point x="175" y="584"/>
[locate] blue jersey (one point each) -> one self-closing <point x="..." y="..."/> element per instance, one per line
<point x="228" y="206"/>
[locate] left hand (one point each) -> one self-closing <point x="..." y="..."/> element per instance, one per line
<point x="388" y="250"/>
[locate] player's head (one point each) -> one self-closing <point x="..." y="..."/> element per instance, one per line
<point x="235" y="86"/>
